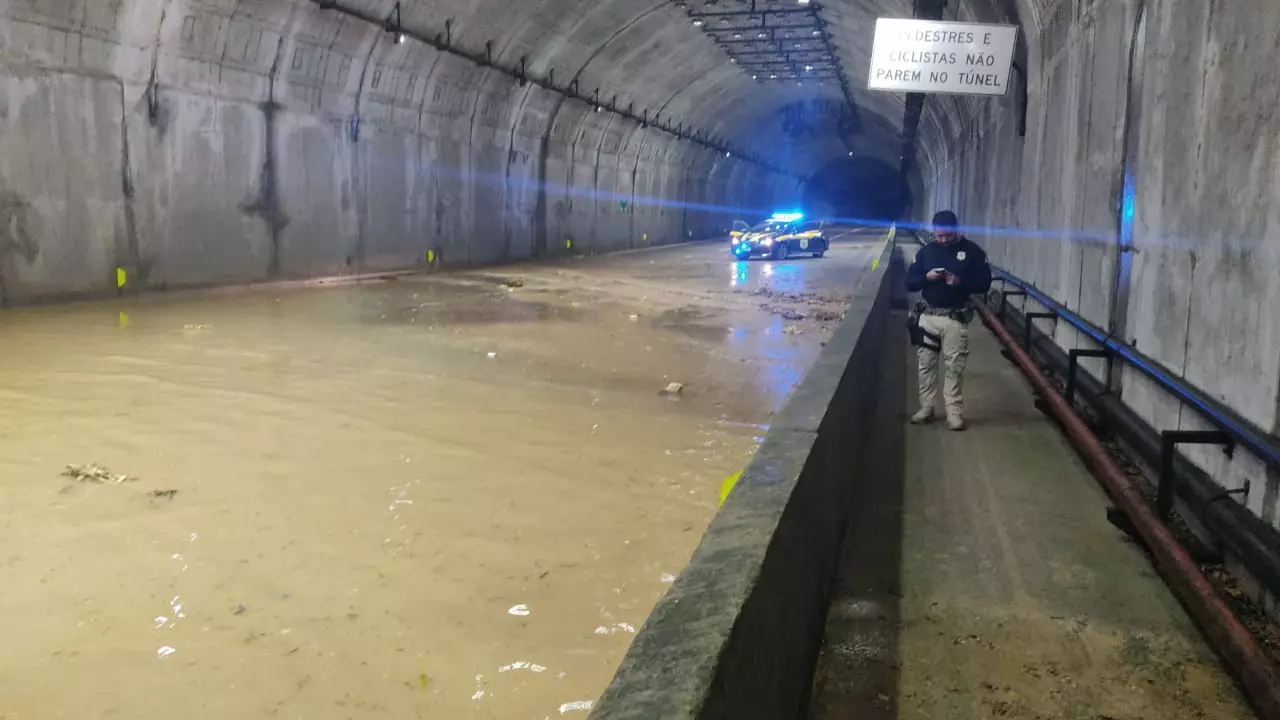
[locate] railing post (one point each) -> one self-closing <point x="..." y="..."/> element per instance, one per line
<point x="1073" y="366"/>
<point x="1004" y="299"/>
<point x="1026" y="330"/>
<point x="1169" y="442"/>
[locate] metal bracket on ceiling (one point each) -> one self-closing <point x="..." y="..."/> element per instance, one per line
<point x="394" y="24"/>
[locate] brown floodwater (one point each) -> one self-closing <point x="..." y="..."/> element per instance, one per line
<point x="440" y="497"/>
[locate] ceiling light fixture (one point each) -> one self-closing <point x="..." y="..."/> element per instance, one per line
<point x="698" y="22"/>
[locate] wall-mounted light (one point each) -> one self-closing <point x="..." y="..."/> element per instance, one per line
<point x="728" y="154"/>
<point x="816" y="33"/>
<point x="808" y="68"/>
<point x="802" y="2"/>
<point x="698" y="22"/>
<point x="733" y="60"/>
<point x="762" y="34"/>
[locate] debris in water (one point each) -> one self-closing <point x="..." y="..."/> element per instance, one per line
<point x="240" y="609"/>
<point x="95" y="473"/>
<point x="423" y="680"/>
<point x="166" y="494"/>
<point x="674" y="388"/>
<point x="513" y="282"/>
<point x="576" y="706"/>
<point x="668" y="578"/>
<point x="493" y="355"/>
<point x="522" y="665"/>
<point x="165" y="651"/>
<point x="520" y="610"/>
<point x="635" y="317"/>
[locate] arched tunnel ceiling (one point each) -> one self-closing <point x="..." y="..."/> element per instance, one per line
<point x="645" y="53"/>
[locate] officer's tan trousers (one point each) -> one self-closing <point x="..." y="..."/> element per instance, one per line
<point x="954" y="337"/>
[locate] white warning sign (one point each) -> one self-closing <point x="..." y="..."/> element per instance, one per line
<point x="928" y="56"/>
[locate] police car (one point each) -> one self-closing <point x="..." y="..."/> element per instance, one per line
<point x="779" y="237"/>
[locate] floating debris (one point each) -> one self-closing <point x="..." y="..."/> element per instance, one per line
<point x="165" y="651"/>
<point x="522" y="665"/>
<point x="513" y="282"/>
<point x="615" y="628"/>
<point x="96" y="473"/>
<point x="166" y="494"/>
<point x="520" y="610"/>
<point x="674" y="388"/>
<point x="576" y="706"/>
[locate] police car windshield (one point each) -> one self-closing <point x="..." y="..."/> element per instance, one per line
<point x="770" y="226"/>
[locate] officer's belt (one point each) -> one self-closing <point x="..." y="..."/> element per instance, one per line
<point x="964" y="314"/>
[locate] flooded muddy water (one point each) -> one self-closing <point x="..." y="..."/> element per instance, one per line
<point x="441" y="497"/>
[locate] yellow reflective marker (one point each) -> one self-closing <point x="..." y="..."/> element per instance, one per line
<point x="431" y="256"/>
<point x="568" y="244"/>
<point x="646" y="237"/>
<point x="124" y="319"/>
<point x="121" y="277"/>
<point x="726" y="486"/>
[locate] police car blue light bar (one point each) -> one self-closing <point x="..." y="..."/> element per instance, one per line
<point x="788" y="216"/>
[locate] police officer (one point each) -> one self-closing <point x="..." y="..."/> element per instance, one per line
<point x="946" y="272"/>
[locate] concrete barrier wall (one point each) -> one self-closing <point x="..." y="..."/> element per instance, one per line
<point x="1203" y="199"/>
<point x="195" y="142"/>
<point x="738" y="634"/>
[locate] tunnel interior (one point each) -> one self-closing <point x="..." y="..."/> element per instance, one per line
<point x="267" y="139"/>
<point x="1129" y="174"/>
<point x="857" y="190"/>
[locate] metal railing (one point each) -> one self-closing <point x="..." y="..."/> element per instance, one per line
<point x="1238" y="430"/>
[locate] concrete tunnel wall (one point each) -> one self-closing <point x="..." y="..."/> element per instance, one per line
<point x="1205" y="203"/>
<point x="198" y="142"/>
